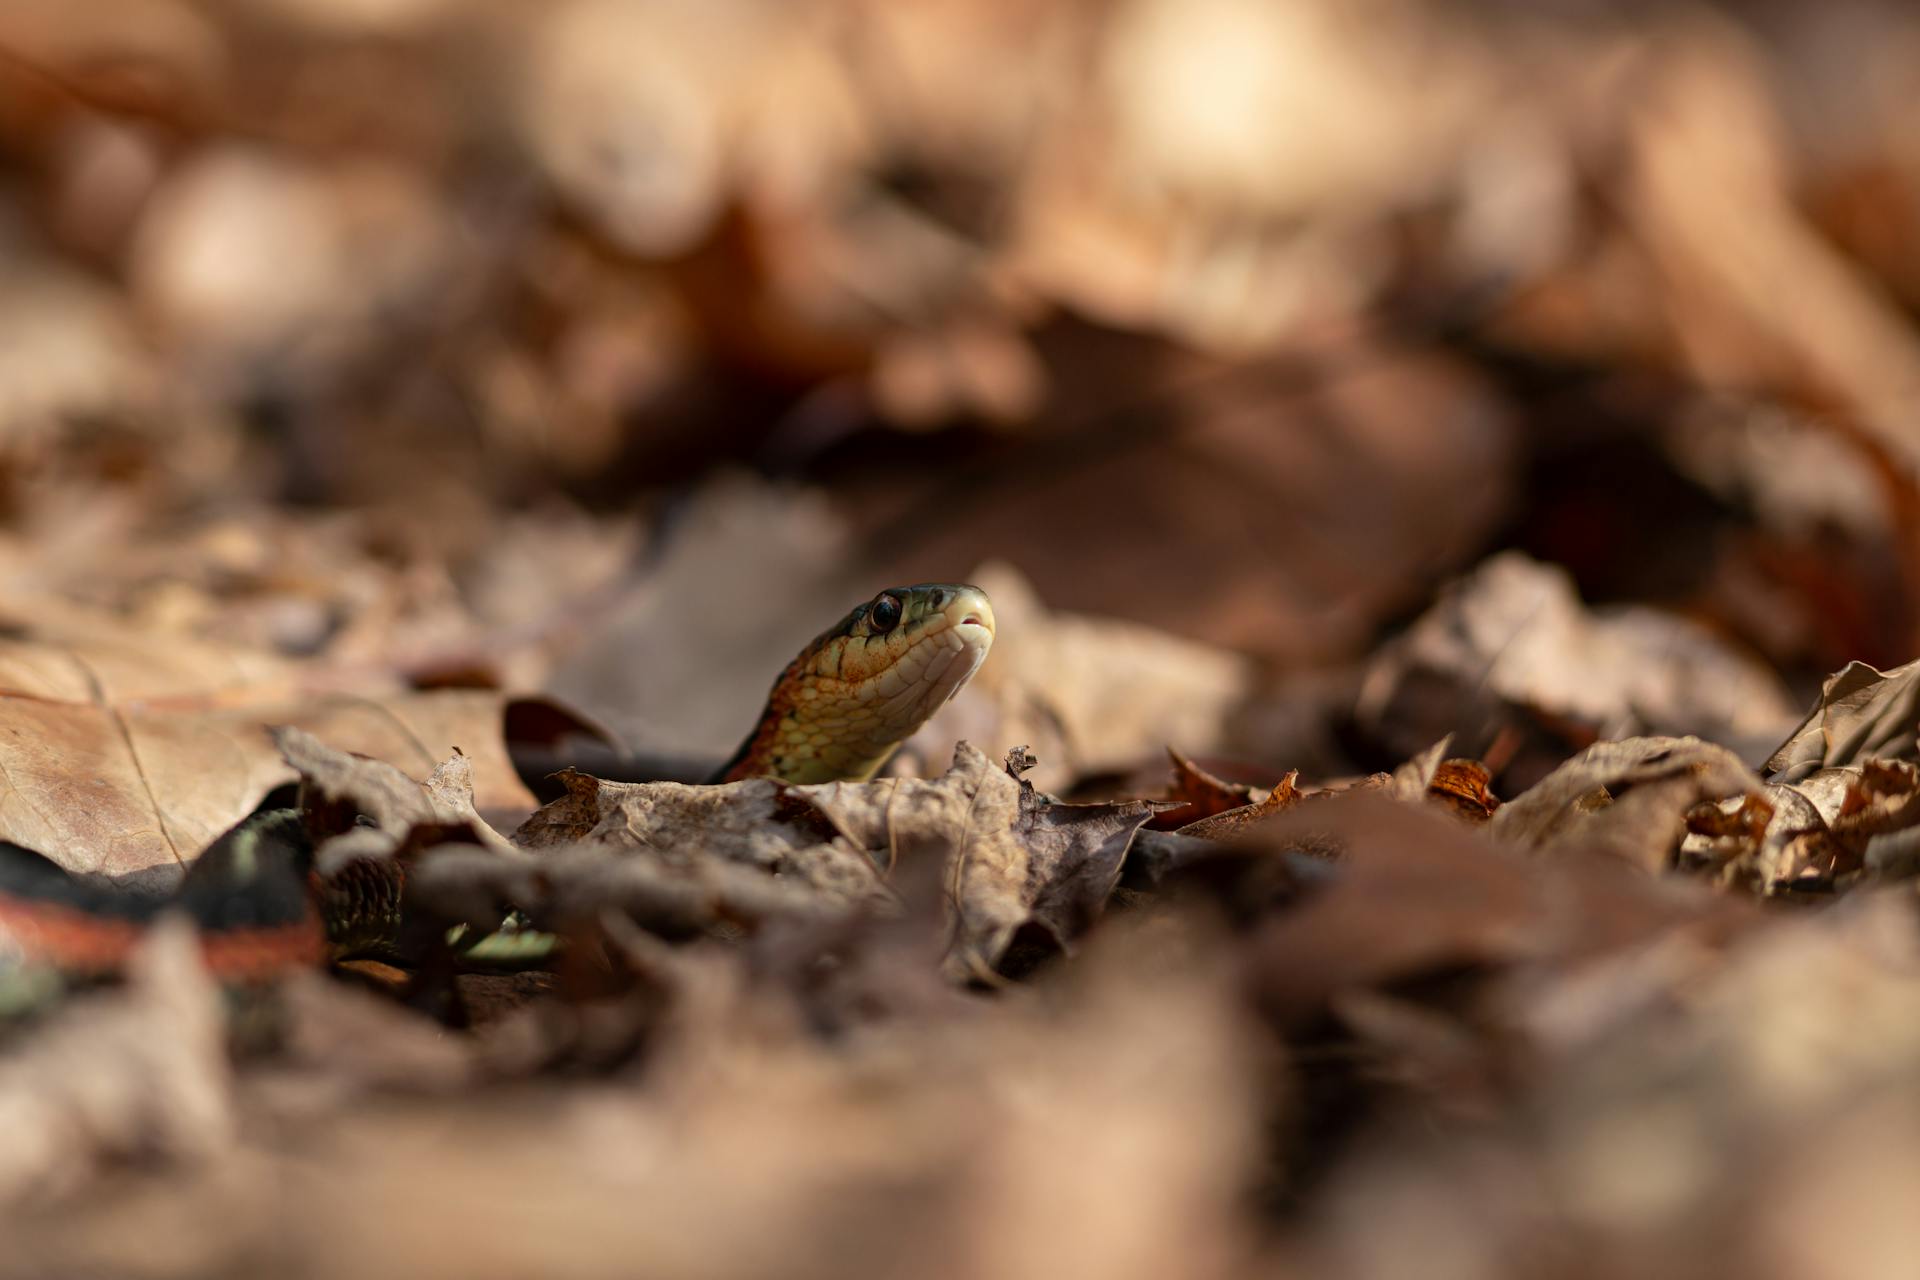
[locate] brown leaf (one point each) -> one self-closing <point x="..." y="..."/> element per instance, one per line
<point x="1861" y="714"/>
<point x="1628" y="799"/>
<point x="1412" y="779"/>
<point x="1515" y="633"/>
<point x="407" y="815"/>
<point x="1197" y="794"/>
<point x="1851" y="819"/>
<point x="676" y="894"/>
<point x="347" y="1042"/>
<point x="1050" y="682"/>
<point x="1013" y="856"/>
<point x="1417" y="892"/>
<point x="1461" y="785"/>
<point x="1730" y="835"/>
<point x="760" y="824"/>
<point x="1233" y="822"/>
<point x="127" y="757"/>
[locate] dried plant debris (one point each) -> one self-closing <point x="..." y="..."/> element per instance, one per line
<point x="132" y="756"/>
<point x="1462" y="786"/>
<point x="139" y="1072"/>
<point x="1229" y="822"/>
<point x="760" y="824"/>
<point x="1862" y="714"/>
<point x="1515" y="635"/>
<point x="1010" y="858"/>
<point x="1629" y="799"/>
<point x="1391" y="404"/>
<point x="1193" y="794"/>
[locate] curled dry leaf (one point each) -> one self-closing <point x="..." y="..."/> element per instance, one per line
<point x="760" y="824"/>
<point x="673" y="893"/>
<point x="1830" y="826"/>
<point x="1629" y="799"/>
<point x="1459" y="785"/>
<point x="1013" y="856"/>
<point x="405" y="813"/>
<point x="1232" y="822"/>
<point x="1197" y="794"/>
<point x="1515" y="634"/>
<point x="1861" y="714"/>
<point x="1462" y="786"/>
<point x="1050" y="682"/>
<point x="1730" y="838"/>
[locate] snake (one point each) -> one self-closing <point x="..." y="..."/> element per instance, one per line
<point x="837" y="712"/>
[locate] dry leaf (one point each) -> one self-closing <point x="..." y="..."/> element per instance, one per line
<point x="1861" y="714"/>
<point x="119" y="1075"/>
<point x="129" y="757"/>
<point x="760" y="824"/>
<point x="1514" y="632"/>
<point x="1461" y="785"/>
<point x="1049" y="683"/>
<point x="1232" y="822"/>
<point x="1197" y="794"/>
<point x="1628" y="799"/>
<point x="1416" y="892"/>
<point x="1013" y="857"/>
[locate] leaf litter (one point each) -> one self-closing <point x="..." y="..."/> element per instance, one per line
<point x="990" y="977"/>
<point x="1443" y="488"/>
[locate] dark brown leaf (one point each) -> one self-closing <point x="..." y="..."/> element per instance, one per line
<point x="1229" y="823"/>
<point x="1198" y="794"/>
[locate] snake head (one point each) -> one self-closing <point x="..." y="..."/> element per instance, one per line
<point x="865" y="685"/>
<point x="904" y="652"/>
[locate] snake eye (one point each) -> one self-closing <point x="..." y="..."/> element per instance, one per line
<point x="884" y="616"/>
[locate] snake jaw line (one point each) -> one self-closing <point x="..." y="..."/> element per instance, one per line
<point x="851" y="697"/>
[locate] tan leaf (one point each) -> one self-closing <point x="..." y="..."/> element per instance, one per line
<point x="124" y="757"/>
<point x="1050" y="682"/>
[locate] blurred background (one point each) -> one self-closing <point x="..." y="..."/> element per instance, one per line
<point x="612" y="347"/>
<point x="1306" y="381"/>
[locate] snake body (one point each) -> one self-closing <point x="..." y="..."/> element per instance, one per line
<point x="836" y="712"/>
